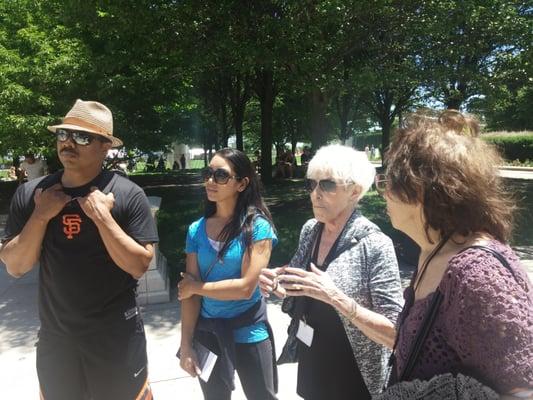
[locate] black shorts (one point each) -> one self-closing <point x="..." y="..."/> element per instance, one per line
<point x="111" y="365"/>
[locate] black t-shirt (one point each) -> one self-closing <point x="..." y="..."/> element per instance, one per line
<point x="81" y="289"/>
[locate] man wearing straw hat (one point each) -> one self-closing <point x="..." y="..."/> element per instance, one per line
<point x="92" y="233"/>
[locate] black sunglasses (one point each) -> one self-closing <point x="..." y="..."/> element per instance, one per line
<point x="79" y="137"/>
<point x="220" y="175"/>
<point x="326" y="185"/>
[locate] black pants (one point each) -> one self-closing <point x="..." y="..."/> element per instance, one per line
<point x="254" y="366"/>
<point x="111" y="365"/>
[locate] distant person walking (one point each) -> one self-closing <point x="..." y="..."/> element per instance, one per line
<point x="91" y="231"/>
<point x="367" y="151"/>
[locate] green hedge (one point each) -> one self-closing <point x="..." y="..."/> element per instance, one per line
<point x="513" y="147"/>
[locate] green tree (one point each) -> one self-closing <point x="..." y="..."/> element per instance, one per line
<point x="507" y="102"/>
<point x="464" y="41"/>
<point x="42" y="69"/>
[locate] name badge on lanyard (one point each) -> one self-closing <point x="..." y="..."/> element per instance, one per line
<point x="305" y="333"/>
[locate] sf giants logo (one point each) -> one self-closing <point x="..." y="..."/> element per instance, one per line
<point x="71" y="225"/>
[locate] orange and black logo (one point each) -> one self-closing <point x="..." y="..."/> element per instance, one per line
<point x="71" y="225"/>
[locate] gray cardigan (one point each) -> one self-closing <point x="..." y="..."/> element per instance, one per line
<point x="366" y="271"/>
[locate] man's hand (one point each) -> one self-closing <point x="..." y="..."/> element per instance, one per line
<point x="315" y="283"/>
<point x="186" y="286"/>
<point x="189" y="361"/>
<point x="97" y="205"/>
<point x="49" y="202"/>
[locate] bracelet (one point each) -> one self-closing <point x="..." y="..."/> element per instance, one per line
<point x="353" y="310"/>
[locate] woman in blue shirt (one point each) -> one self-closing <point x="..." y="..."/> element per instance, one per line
<point x="222" y="307"/>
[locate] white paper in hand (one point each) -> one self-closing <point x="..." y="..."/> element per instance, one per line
<point x="206" y="360"/>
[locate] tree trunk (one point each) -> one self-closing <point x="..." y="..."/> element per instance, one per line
<point x="240" y="92"/>
<point x="224" y="124"/>
<point x="238" y="131"/>
<point x="265" y="91"/>
<point x="386" y="124"/>
<point x="318" y="119"/>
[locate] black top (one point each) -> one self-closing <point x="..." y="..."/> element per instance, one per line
<point x="81" y="289"/>
<point x="328" y="369"/>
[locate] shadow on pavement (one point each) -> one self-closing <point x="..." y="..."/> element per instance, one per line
<point x="19" y="318"/>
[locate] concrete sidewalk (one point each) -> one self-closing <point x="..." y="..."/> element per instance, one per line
<point x="18" y="333"/>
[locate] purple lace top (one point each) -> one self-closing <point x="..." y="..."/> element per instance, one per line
<point x="484" y="327"/>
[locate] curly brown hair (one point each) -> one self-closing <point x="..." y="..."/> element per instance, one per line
<point x="441" y="163"/>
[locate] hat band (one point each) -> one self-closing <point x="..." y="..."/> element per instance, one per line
<point x="87" y="125"/>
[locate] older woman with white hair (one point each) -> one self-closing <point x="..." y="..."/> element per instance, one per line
<point x="344" y="267"/>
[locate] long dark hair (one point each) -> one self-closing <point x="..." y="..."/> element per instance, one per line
<point x="249" y="205"/>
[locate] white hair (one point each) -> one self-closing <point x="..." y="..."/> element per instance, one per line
<point x="343" y="164"/>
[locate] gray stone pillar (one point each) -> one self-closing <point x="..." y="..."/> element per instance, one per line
<point x="154" y="285"/>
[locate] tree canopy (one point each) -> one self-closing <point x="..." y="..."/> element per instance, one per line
<point x="269" y="72"/>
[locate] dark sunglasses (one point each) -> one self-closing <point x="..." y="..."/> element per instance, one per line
<point x="220" y="175"/>
<point x="79" y="137"/>
<point x="326" y="185"/>
<point x="380" y="181"/>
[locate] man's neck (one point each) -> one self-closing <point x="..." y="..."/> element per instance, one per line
<point x="74" y="178"/>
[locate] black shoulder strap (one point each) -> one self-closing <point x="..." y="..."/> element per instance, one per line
<point x="422" y="335"/>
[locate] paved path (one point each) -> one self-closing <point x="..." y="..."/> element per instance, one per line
<point x="18" y="334"/>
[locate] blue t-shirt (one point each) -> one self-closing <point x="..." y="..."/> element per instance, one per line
<point x="228" y="268"/>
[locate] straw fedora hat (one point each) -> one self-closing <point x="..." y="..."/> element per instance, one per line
<point x="91" y="117"/>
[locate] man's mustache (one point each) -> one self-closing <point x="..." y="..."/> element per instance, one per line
<point x="68" y="150"/>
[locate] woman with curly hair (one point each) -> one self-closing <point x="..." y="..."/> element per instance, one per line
<point x="469" y="293"/>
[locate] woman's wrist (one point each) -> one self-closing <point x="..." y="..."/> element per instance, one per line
<point x="354" y="310"/>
